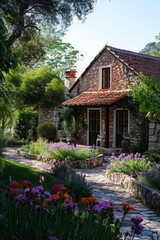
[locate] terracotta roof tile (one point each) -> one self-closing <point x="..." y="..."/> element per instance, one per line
<point x="96" y="98"/>
<point x="139" y="62"/>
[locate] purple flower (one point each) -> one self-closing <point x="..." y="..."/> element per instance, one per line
<point x="21" y="199"/>
<point x="52" y="238"/>
<point x="138" y="229"/>
<point x="47" y="194"/>
<point x="137" y="219"/>
<point x="69" y="205"/>
<point x="103" y="206"/>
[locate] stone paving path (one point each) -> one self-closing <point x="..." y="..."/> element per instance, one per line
<point x="104" y="189"/>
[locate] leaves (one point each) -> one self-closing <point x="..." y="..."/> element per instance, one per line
<point x="146" y="91"/>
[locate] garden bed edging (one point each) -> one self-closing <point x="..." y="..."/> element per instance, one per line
<point x="80" y="164"/>
<point x="147" y="195"/>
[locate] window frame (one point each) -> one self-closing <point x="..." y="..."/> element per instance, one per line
<point x="100" y="76"/>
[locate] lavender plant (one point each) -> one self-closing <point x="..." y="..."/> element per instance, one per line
<point x="131" y="164"/>
<point x="64" y="151"/>
<point x="151" y="177"/>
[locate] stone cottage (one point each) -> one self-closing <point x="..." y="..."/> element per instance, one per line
<point x="104" y="109"/>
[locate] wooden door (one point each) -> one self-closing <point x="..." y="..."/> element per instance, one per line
<point x="94" y="126"/>
<point x="121" y="126"/>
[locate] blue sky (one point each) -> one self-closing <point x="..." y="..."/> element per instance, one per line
<point x="126" y="24"/>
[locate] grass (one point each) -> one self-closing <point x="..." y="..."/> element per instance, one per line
<point x="20" y="172"/>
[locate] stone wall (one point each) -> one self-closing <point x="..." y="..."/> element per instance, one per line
<point x="154" y="136"/>
<point x="120" y="73"/>
<point x="147" y="195"/>
<point x="51" y="115"/>
<point x="80" y="164"/>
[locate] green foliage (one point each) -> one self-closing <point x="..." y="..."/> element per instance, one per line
<point x="147" y="92"/>
<point x="70" y="154"/>
<point x="39" y="147"/>
<point x="131" y="164"/>
<point x="69" y="127"/>
<point x="26" y="124"/>
<point x="20" y="171"/>
<point x="139" y="147"/>
<point x="76" y="184"/>
<point x="151" y="177"/>
<point x="30" y="48"/>
<point x="54" y="92"/>
<point x="42" y="86"/>
<point x="8" y="61"/>
<point x="52" y="14"/>
<point x="153" y="157"/>
<point x="2" y="144"/>
<point x="153" y="48"/>
<point x="60" y="56"/>
<point x="46" y="130"/>
<point x="2" y="163"/>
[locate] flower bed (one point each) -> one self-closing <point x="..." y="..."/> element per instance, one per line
<point x="30" y="212"/>
<point x="61" y="152"/>
<point x="127" y="171"/>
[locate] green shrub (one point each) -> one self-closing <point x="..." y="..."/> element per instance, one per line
<point x="26" y="124"/>
<point x="137" y="147"/>
<point x="152" y="156"/>
<point x="75" y="183"/>
<point x="40" y="147"/>
<point x="47" y="130"/>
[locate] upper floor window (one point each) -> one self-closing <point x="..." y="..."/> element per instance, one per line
<point x="106" y="75"/>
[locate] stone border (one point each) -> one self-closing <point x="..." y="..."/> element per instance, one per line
<point x="147" y="195"/>
<point x="87" y="163"/>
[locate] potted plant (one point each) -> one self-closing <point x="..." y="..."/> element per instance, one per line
<point x="69" y="128"/>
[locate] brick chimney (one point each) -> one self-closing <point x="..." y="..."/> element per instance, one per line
<point x="70" y="78"/>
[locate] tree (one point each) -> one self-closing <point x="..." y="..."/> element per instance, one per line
<point x="8" y="61"/>
<point x="147" y="92"/>
<point x="24" y="14"/>
<point x="153" y="48"/>
<point x="42" y="86"/>
<point x="37" y="50"/>
<point x="30" y="49"/>
<point x="60" y="56"/>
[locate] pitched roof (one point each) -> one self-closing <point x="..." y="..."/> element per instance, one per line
<point x="103" y="97"/>
<point x="137" y="62"/>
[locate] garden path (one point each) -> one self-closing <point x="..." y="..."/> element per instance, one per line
<point x="104" y="189"/>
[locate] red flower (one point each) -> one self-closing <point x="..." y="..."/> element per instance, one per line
<point x="26" y="183"/>
<point x="14" y="184"/>
<point x="14" y="191"/>
<point x="127" y="207"/>
<point x="59" y="188"/>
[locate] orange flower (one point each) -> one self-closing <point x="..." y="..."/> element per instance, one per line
<point x="57" y="195"/>
<point x="89" y="200"/>
<point x="126" y="206"/>
<point x="66" y="196"/>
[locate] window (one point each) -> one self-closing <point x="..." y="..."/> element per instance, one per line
<point x="106" y="77"/>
